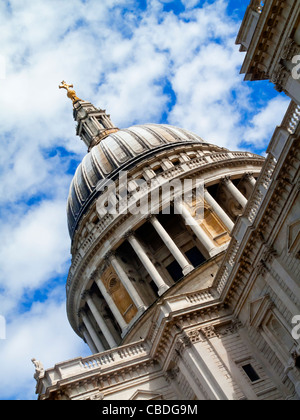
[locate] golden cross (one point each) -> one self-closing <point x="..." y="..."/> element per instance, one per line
<point x="71" y="93"/>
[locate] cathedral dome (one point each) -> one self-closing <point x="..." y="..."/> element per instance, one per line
<point x="119" y="151"/>
<point x="124" y="261"/>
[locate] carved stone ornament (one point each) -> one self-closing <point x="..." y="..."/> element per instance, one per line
<point x="195" y="336"/>
<point x="280" y="77"/>
<point x="227" y="329"/>
<point x="209" y="332"/>
<point x="129" y="234"/>
<point x="39" y="369"/>
<point x="269" y="253"/>
<point x="226" y="180"/>
<point x="290" y="50"/>
<point x="262" y="268"/>
<point x="109" y="255"/>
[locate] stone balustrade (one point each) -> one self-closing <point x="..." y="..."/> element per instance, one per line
<point x="106" y="360"/>
<point x="200" y="297"/>
<point x="292" y="118"/>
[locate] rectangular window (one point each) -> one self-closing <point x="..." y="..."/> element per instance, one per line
<point x="251" y="373"/>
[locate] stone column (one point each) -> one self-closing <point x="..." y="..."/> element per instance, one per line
<point x="196" y="228"/>
<point x="111" y="304"/>
<point x="201" y="373"/>
<point x="250" y="178"/>
<point x="101" y="322"/>
<point x="147" y="263"/>
<point x="235" y="192"/>
<point x="218" y="210"/>
<point x="92" y="333"/>
<point x="88" y="339"/>
<point x="136" y="299"/>
<point x="170" y="244"/>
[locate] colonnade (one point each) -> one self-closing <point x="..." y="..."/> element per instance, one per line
<point x="206" y="242"/>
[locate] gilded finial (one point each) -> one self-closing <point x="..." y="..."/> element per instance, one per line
<point x="71" y="92"/>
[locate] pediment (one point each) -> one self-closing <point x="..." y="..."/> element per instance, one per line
<point x="258" y="310"/>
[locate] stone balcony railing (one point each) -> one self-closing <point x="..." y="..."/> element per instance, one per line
<point x="292" y="118"/>
<point x="103" y="361"/>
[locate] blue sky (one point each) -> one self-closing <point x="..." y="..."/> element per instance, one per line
<point x="144" y="61"/>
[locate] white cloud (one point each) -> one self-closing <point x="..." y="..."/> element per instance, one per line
<point x="34" y="248"/>
<point x="190" y="3"/>
<point x="264" y="122"/>
<point x="42" y="333"/>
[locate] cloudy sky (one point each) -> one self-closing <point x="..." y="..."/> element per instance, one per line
<point x="144" y="61"/>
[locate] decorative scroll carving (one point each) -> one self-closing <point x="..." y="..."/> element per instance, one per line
<point x="280" y="77"/>
<point x="290" y="49"/>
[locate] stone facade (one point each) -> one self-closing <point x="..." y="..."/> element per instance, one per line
<point x="174" y="309"/>
<point x="270" y="34"/>
<point x="223" y="331"/>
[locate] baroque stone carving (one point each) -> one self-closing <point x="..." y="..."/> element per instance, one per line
<point x="209" y="332"/>
<point x="290" y="50"/>
<point x="39" y="369"/>
<point x="280" y="77"/>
